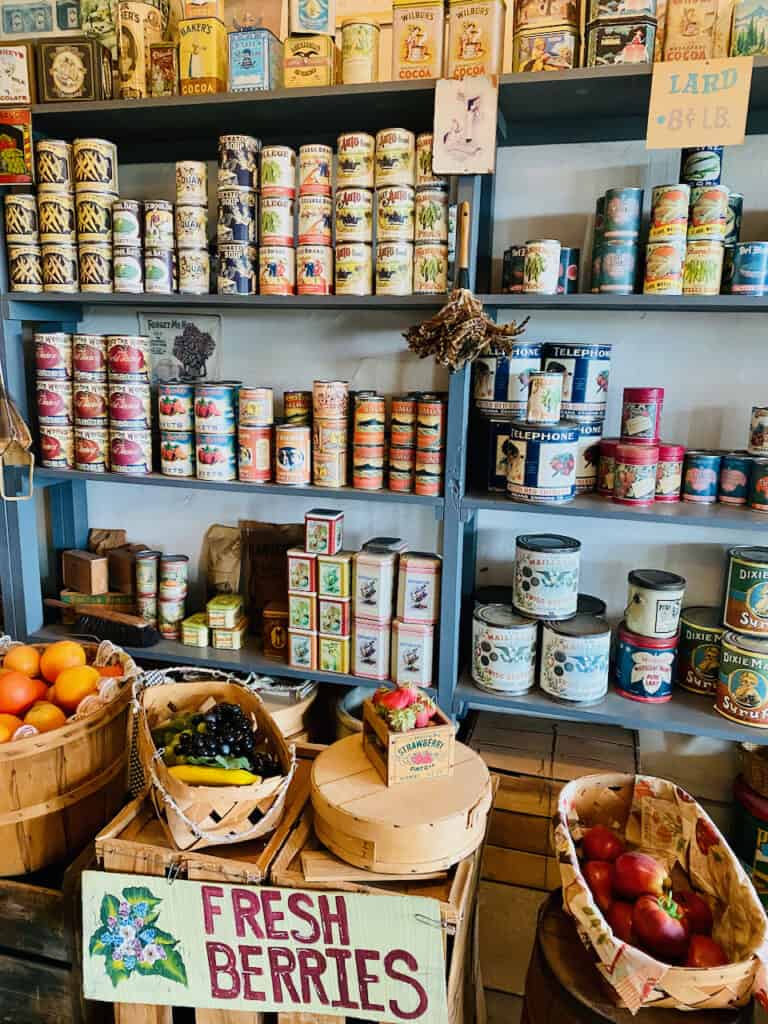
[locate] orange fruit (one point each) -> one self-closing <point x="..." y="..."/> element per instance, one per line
<point x="45" y="716"/>
<point x="73" y="684"/>
<point x="22" y="659"/>
<point x="51" y="695"/>
<point x="18" y="692"/>
<point x="113" y="671"/>
<point x="8" y="724"/>
<point x="62" y="655"/>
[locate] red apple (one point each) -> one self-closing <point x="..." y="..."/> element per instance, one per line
<point x="660" y="927"/>
<point x="601" y="843"/>
<point x="638" y="874"/>
<point x="619" y="917"/>
<point x="705" y="952"/>
<point x="697" y="911"/>
<point x="599" y="877"/>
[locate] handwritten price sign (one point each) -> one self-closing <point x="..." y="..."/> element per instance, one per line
<point x="699" y="103"/>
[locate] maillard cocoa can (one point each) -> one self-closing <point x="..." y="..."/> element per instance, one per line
<point x="742" y="688"/>
<point x="130" y="451"/>
<point x="254" y="454"/>
<point x="698" y="658"/>
<point x="574" y="659"/>
<point x="91" y="403"/>
<point x="57" y="447"/>
<point x="53" y="356"/>
<point x="746" y="591"/>
<point x="92" y="449"/>
<point x="546" y="580"/>
<point x="503" y="650"/>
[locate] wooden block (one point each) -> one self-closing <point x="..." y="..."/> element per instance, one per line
<point x="520" y="832"/>
<point x="122" y="567"/>
<point x="516" y="867"/>
<point x="322" y="866"/>
<point x="508" y="919"/>
<point x="100" y="541"/>
<point x="604" y="733"/>
<point x="227" y="1017"/>
<point x="527" y="795"/>
<point x="85" y="572"/>
<point x="141" y="1013"/>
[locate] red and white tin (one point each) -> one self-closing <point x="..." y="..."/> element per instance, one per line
<point x="91" y="403"/>
<point x="323" y="531"/>
<point x="130" y="451"/>
<point x="254" y="454"/>
<point x="315" y="220"/>
<point x="53" y="356"/>
<point x="302" y="571"/>
<point x="669" y="472"/>
<point x="92" y="449"/>
<point x="606" y="466"/>
<point x="334" y="616"/>
<point x="634" y="480"/>
<point x="277" y="270"/>
<point x="641" y="415"/>
<point x="130" y="406"/>
<point x="54" y="403"/>
<point x="89" y="356"/>
<point x="57" y="447"/>
<point x="315" y="162"/>
<point x="370" y="649"/>
<point x="127" y="357"/>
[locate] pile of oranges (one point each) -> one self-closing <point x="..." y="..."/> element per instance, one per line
<point x="38" y="692"/>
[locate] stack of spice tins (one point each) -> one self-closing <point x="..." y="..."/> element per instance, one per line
<point x="373" y="600"/>
<point x="176" y="419"/>
<point x="96" y="189"/>
<point x="395" y="177"/>
<point x="130" y="405"/>
<point x="226" y="622"/>
<point x="742" y="688"/>
<point x="254" y="434"/>
<point x="402" y="443"/>
<point x="429" y="464"/>
<point x="127" y="245"/>
<point x="546" y="35"/>
<point x="430" y="255"/>
<point x="147" y="581"/>
<point x="330" y="425"/>
<point x="648" y="636"/>
<point x="92" y="402"/>
<point x="56" y="218"/>
<point x="53" y="387"/>
<point x="191" y="222"/>
<point x="620" y="32"/>
<point x="277" y="255"/>
<point x="236" y="234"/>
<point x="160" y="271"/>
<point x="216" y="430"/>
<point x="22" y="236"/>
<point x="314" y="254"/>
<point x="418" y="610"/>
<point x="354" y="214"/>
<point x="368" y="428"/>
<point x="173" y="579"/>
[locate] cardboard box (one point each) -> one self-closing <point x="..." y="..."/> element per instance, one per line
<point x="17" y="73"/>
<point x="85" y="572"/>
<point x="73" y="69"/>
<point x="508" y="917"/>
<point x="202" y="56"/>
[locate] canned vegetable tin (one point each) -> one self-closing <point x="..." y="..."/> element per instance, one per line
<point x="574" y="659"/>
<point x="645" y="666"/>
<point x="402" y="467"/>
<point x="314" y="269"/>
<point x="130" y="406"/>
<point x="330" y="399"/>
<point x="355" y="160"/>
<point x="431" y="215"/>
<point x="430" y="423"/>
<point x="618" y="266"/>
<point x="177" y="453"/>
<point x="698" y="657"/>
<point x="255" y="454"/>
<point x="94" y="217"/>
<point x="500" y="380"/>
<point x="53" y="164"/>
<point x="669" y="474"/>
<point x="21" y="218"/>
<point x="541" y="462"/>
<point x="634" y="474"/>
<point x="664" y="268"/>
<point x="758" y="485"/>
<point x="369" y="420"/>
<point x="545" y="392"/>
<point x="709" y="213"/>
<point x="641" y="415"/>
<point x="128" y="269"/>
<point x="297" y="408"/>
<point x="354" y="269"/>
<point x="192" y="182"/>
<point x="546" y="581"/>
<point x="428" y="472"/>
<point x="703" y="268"/>
<point x="395" y="213"/>
<point x="126" y="222"/>
<point x="701" y="165"/>
<point x="277" y="270"/>
<point x="292" y="454"/>
<point x="315" y="162"/>
<point x="215" y="455"/>
<point x="25" y="268"/>
<point x="127" y="357"/>
<point x="368" y="467"/>
<point x="735" y="473"/>
<point x="236" y="269"/>
<point x="354" y="215"/>
<point x="175" y="405"/>
<point x="236" y="217"/>
<point x="278" y="171"/>
<point x="95" y="166"/>
<point x="585" y="371"/>
<point x="669" y="213"/>
<point x="53" y="356"/>
<point x="394" y="268"/>
<point x="194" y="272"/>
<point x="606" y="468"/>
<point x="514" y="269"/>
<point x="750" y="269"/>
<point x="746" y="591"/>
<point x="425" y="174"/>
<point x="430" y="268"/>
<point x="60" y="268"/>
<point x="742" y="688"/>
<point x="158" y="271"/>
<point x="55" y="403"/>
<point x="395" y="159"/>
<point x="158" y="224"/>
<point x="403" y="420"/>
<point x="623" y="208"/>
<point x="57" y="218"/>
<point x="256" y="407"/>
<point x="315" y="223"/>
<point x="542" y="266"/>
<point x="503" y="650"/>
<point x="701" y="470"/>
<point x="733" y="223"/>
<point x="95" y="267"/>
<point x="215" y="408"/>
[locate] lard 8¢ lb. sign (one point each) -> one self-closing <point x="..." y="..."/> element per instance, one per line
<point x="178" y="943"/>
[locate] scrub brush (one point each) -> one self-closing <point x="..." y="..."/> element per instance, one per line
<point x="107" y="624"/>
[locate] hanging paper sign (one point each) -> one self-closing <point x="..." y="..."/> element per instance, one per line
<point x="699" y="103"/>
<point x="464" y="132"/>
<point x="255" y="948"/>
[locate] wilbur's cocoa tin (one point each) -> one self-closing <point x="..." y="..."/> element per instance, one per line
<point x="177" y="453"/>
<point x="645" y="666"/>
<point x="53" y="356"/>
<point x="585" y="371"/>
<point x="215" y="455"/>
<point x="634" y="474"/>
<point x="503" y="650"/>
<point x="500" y="380"/>
<point x="574" y="659"/>
<point x="669" y="472"/>
<point x="293" y="454"/>
<point x="742" y="688"/>
<point x="541" y="462"/>
<point x="641" y="415"/>
<point x="92" y="449"/>
<point x="57" y="447"/>
<point x="606" y="468"/>
<point x="698" y="658"/>
<point x="91" y="403"/>
<point x="758" y="486"/>
<point x="746" y="591"/>
<point x="130" y="451"/>
<point x="735" y="473"/>
<point x="254" y="458"/>
<point x="701" y="470"/>
<point x="546" y="581"/>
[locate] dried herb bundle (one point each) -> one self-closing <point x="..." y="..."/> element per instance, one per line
<point x="461" y="332"/>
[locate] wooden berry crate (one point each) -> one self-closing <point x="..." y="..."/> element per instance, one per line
<point x="426" y="753"/>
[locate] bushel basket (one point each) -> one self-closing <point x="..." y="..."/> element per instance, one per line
<point x="196" y="817"/>
<point x="666" y="822"/>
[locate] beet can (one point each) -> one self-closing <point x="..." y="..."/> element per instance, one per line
<point x="215" y="408"/>
<point x="645" y="666"/>
<point x="91" y="403"/>
<point x="175" y="405"/>
<point x="215" y="457"/>
<point x="277" y="270"/>
<point x="641" y="415"/>
<point x="130" y="406"/>
<point x="698" y="653"/>
<point x="254" y="454"/>
<point x="130" y="451"/>
<point x="53" y="356"/>
<point x="734" y="482"/>
<point x="92" y="449"/>
<point x="701" y="470"/>
<point x="669" y="472"/>
<point x="54" y="403"/>
<point x="293" y="460"/>
<point x="742" y="687"/>
<point x="634" y="474"/>
<point x="758" y="485"/>
<point x="127" y="357"/>
<point x="57" y="447"/>
<point x="177" y="453"/>
<point x="314" y="269"/>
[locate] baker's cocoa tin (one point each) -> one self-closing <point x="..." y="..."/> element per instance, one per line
<point x="698" y="658"/>
<point x="130" y="451"/>
<point x="91" y="403"/>
<point x="742" y="688"/>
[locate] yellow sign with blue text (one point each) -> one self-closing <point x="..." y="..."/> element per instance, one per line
<point x="699" y="103"/>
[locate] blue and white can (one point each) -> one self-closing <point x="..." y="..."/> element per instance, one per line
<point x="236" y="220"/>
<point x="574" y="659"/>
<point x="588" y="456"/>
<point x="237" y="274"/>
<point x="541" y="462"/>
<point x="215" y="406"/>
<point x="500" y="381"/>
<point x="645" y="666"/>
<point x="750" y="268"/>
<point x="255" y="60"/>
<point x="216" y="457"/>
<point x="503" y="650"/>
<point x="546" y="582"/>
<point x="701" y="471"/>
<point x="585" y="370"/>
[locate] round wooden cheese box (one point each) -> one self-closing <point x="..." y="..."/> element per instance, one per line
<point x="411" y="828"/>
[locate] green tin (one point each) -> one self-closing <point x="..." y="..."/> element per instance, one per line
<point x="618" y="266"/>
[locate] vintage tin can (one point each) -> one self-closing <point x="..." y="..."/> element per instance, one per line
<point x="475" y="36"/>
<point x="164" y="71"/>
<point x="411" y="656"/>
<point x="654" y="600"/>
<point x="503" y="650"/>
<point x="53" y="165"/>
<point x="202" y="56"/>
<point x="645" y="667"/>
<point x="490" y="454"/>
<point x="394" y="268"/>
<point x="292" y="454"/>
<point x="568" y="274"/>
<point x="191" y="182"/>
<point x="315" y="162"/>
<point x="302" y="612"/>
<point x="329" y="468"/>
<point x="21" y="219"/>
<point x="130" y="406"/>
<point x="623" y="209"/>
<point x="255" y="60"/>
<point x="127" y="220"/>
<point x="374" y="584"/>
<point x="236" y="274"/>
<point x="94" y="217"/>
<point x="425" y="174"/>
<point x="701" y="165"/>
<point x="606" y="468"/>
<point x="138" y="25"/>
<point x="746" y="591"/>
<point x="236" y="216"/>
<point x="177" y="453"/>
<point x="641" y="415"/>
<point x="698" y="653"/>
<point x="146" y="566"/>
<point x="395" y="160"/>
<point x="297" y="407"/>
<point x="95" y="266"/>
<point x="618" y="266"/>
<point x="192" y="227"/>
<point x="330" y="399"/>
<point x="277" y="270"/>
<point x="430" y="268"/>
<point x="354" y="215"/>
<point x="255" y="454"/>
<point x="402" y="424"/>
<point x="60" y="268"/>
<point x="53" y="356"/>
<point x="370" y="648"/>
<point x="359" y="50"/>
<point x="127" y="358"/>
<point x="750" y="269"/>
<point x="758" y="485"/>
<point x="394" y="213"/>
<point x="369" y="420"/>
<point x="95" y="166"/>
<point x="92" y="449"/>
<point x="634" y="474"/>
<point x="500" y="380"/>
<point x="89" y="357"/>
<point x="748" y="831"/>
<point x="334" y="575"/>
<point x="742" y="688"/>
<point x="278" y="171"/>
<point x="513" y="269"/>
<point x="417" y="39"/>
<point x="621" y="42"/>
<point x="90" y="401"/>
<point x="708" y="214"/>
<point x="216" y="456"/>
<point x="333" y="654"/>
<point x="430" y="423"/>
<point x="54" y="403"/>
<point x="368" y="467"/>
<point x="175" y="406"/>
<point x="355" y="167"/>
<point x="664" y="268"/>
<point x="302" y="571"/>
<point x="354" y="269"/>
<point x="545" y="393"/>
<point x="146" y="608"/>
<point x="170" y="615"/>
<point x="758" y="431"/>
<point x="194" y="272"/>
<point x="324" y="531"/>
<point x="588" y="455"/>
<point x="574" y="659"/>
<point x="256" y="407"/>
<point x="302" y="650"/>
<point x="25" y="268"/>
<point x="669" y="212"/>
<point x="238" y="161"/>
<point x="402" y="469"/>
<point x="669" y="472"/>
<point x="315" y="221"/>
<point x="733" y="219"/>
<point x="546" y="580"/>
<point x="334" y="618"/>
<point x="158" y="271"/>
<point x="554" y="48"/>
<point x="128" y="269"/>
<point x="542" y="267"/>
<point x="701" y="470"/>
<point x="735" y="473"/>
<point x="158" y="224"/>
<point x="130" y="451"/>
<point x="215" y="406"/>
<point x="57" y="218"/>
<point x="585" y="370"/>
<point x="314" y="269"/>
<point x="541" y="462"/>
<point x="57" y="447"/>
<point x="428" y="472"/>
<point x="329" y="435"/>
<point x="431" y="215"/>
<point x="418" y="588"/>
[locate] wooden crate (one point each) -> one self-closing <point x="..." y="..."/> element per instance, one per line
<point x="426" y="753"/>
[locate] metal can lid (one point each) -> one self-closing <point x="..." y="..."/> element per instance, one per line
<point x="547" y="542"/>
<point x="747" y="644"/>
<point x="502" y="616"/>
<point x="655" y="643"/>
<point x="580" y="625"/>
<point x="656" y="579"/>
<point x="708" y="453"/>
<point x="174" y="558"/>
<point x="703" y="617"/>
<point x="149" y="554"/>
<point x="543" y="241"/>
<point x="589" y="605"/>
<point x="642" y="394"/>
<point x="750" y="554"/>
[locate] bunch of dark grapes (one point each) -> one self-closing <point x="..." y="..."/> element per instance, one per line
<point x="225" y="730"/>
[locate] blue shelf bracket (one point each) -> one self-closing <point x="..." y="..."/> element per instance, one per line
<point x="68" y="511"/>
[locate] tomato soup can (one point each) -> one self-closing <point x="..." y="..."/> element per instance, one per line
<point x="130" y="451"/>
<point x="315" y="162"/>
<point x="57" y="218"/>
<point x="293" y="454"/>
<point x="588" y="455"/>
<point x="708" y="213"/>
<point x="94" y="217"/>
<point x="128" y="269"/>
<point x="278" y="171"/>
<point x="402" y="468"/>
<point x="545" y="394"/>
<point x="130" y="406"/>
<point x="541" y="462"/>
<point x="57" y="447"/>
<point x="53" y="164"/>
<point x="698" y="653"/>
<point x="177" y="453"/>
<point x="238" y="161"/>
<point x="329" y="469"/>
<point x="158" y="224"/>
<point x="215" y="408"/>
<point x="276" y="217"/>
<point x="330" y="399"/>
<point x="641" y="415"/>
<point x="733" y="223"/>
<point x="394" y="268"/>
<point x="256" y="407"/>
<point x="664" y="267"/>
<point x="606" y="467"/>
<point x="25" y="268"/>
<point x="758" y="485"/>
<point x="92" y="449"/>
<point x="546" y="580"/>
<point x="542" y="266"/>
<point x="701" y="165"/>
<point x="573" y="667"/>
<point x="703" y="268"/>
<point x="236" y="274"/>
<point x="354" y="269"/>
<point x="503" y="650"/>
<point x="734" y="482"/>
<point x="568" y="274"/>
<point x="355" y="160"/>
<point x="297" y="408"/>
<point x="669" y="472"/>
<point x="428" y="472"/>
<point x="669" y="212"/>
<point x="354" y="215"/>
<point x="618" y="266"/>
<point x="158" y="271"/>
<point x="53" y="356"/>
<point x="21" y="218"/>
<point x="60" y="268"/>
<point x="314" y="269"/>
<point x="127" y="357"/>
<point x="95" y="267"/>
<point x="701" y="470"/>
<point x="277" y="270"/>
<point x="402" y="425"/>
<point x="95" y="165"/>
<point x="127" y="219"/>
<point x="91" y="403"/>
<point x="742" y="688"/>
<point x="395" y="159"/>
<point x="750" y="269"/>
<point x="746" y="591"/>
<point x="254" y="454"/>
<point x="623" y="209"/>
<point x="645" y="667"/>
<point x="634" y="474"/>
<point x="215" y="456"/>
<point x="500" y="380"/>
<point x="54" y="403"/>
<point x="368" y="467"/>
<point x="585" y="372"/>
<point x="394" y="213"/>
<point x="315" y="223"/>
<point x="89" y="357"/>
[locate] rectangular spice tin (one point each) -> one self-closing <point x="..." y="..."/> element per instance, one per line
<point x="194" y="630"/>
<point x="309" y="60"/>
<point x="334" y="574"/>
<point x="17" y="73"/>
<point x="333" y="654"/>
<point x="164" y="69"/>
<point x="621" y="42"/>
<point x="16" y="169"/>
<point x="202" y="56"/>
<point x="411" y="655"/>
<point x="73" y="69"/>
<point x="302" y="649"/>
<point x="334" y="616"/>
<point x="302" y="612"/>
<point x="370" y="649"/>
<point x="324" y="531"/>
<point x="230" y="639"/>
<point x="224" y="611"/>
<point x="374" y="584"/>
<point x="302" y="571"/>
<point x="418" y="590"/>
<point x="255" y="60"/>
<point x="545" y="49"/>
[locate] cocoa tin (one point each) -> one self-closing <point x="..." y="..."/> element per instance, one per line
<point x="546" y="580"/>
<point x="417" y="39"/>
<point x="698" y="653"/>
<point x="475" y="38"/>
<point x="573" y="667"/>
<point x="621" y="43"/>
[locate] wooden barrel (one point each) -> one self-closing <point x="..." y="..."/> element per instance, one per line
<point x="563" y="984"/>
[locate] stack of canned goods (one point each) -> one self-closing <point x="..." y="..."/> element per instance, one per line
<point x="314" y="255"/>
<point x="616" y="242"/>
<point x="130" y="405"/>
<point x="429" y="464"/>
<point x="172" y="586"/>
<point x="369" y="414"/>
<point x="277" y="255"/>
<point x="430" y="257"/>
<point x="147" y="564"/>
<point x="742" y="686"/>
<point x="620" y="32"/>
<point x="395" y="177"/>
<point x="191" y="222"/>
<point x="256" y="418"/>
<point x="330" y="425"/>
<point x="236" y="234"/>
<point x="53" y="388"/>
<point x="542" y="266"/>
<point x="215" y="410"/>
<point x="176" y="419"/>
<point x="96" y="189"/>
<point x="56" y="214"/>
<point x="127" y="245"/>
<point x="546" y="35"/>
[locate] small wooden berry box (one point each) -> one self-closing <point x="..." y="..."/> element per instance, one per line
<point x="427" y="753"/>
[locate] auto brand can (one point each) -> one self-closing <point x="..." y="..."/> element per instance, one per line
<point x="669" y="213"/>
<point x="634" y="474"/>
<point x="297" y="408"/>
<point x="236" y="274"/>
<point x="277" y="270"/>
<point x="130" y="451"/>
<point x="698" y="653"/>
<point x="735" y="473"/>
<point x="355" y="160"/>
<point x="215" y="456"/>
<point x="428" y="472"/>
<point x="236" y="217"/>
<point x="546" y="580"/>
<point x="641" y="415"/>
<point x="128" y="269"/>
<point x="177" y="453"/>
<point x="95" y="166"/>
<point x="574" y="659"/>
<point x="330" y="399"/>
<point x="57" y="447"/>
<point x="194" y="272"/>
<point x="92" y="449"/>
<point x="158" y="224"/>
<point x="588" y="455"/>
<point x="623" y="209"/>
<point x="60" y="268"/>
<point x="394" y="213"/>
<point x="501" y="380"/>
<point x="430" y="268"/>
<point x="192" y="182"/>
<point x="293" y="454"/>
<point x="25" y="268"/>
<point x="369" y="420"/>
<point x="750" y="269"/>
<point x="94" y="217"/>
<point x="542" y="267"/>
<point x="95" y="264"/>
<point x="758" y="485"/>
<point x="701" y="470"/>
<point x="430" y="423"/>
<point x="238" y="161"/>
<point x="654" y="601"/>
<point x="395" y="160"/>
<point x="315" y="221"/>
<point x="733" y="221"/>
<point x="368" y="467"/>
<point x="709" y="213"/>
<point x="215" y="406"/>
<point x="645" y="667"/>
<point x="21" y="218"/>
<point x="664" y="268"/>
<point x="514" y="269"/>
<point x="359" y="50"/>
<point x="127" y="357"/>
<point x="669" y="472"/>
<point x="276" y="217"/>
<point x="411" y="655"/>
<point x="701" y="165"/>
<point x="431" y="215"/>
<point x="57" y="218"/>
<point x="618" y="266"/>
<point x="254" y="458"/>
<point x="315" y="162"/>
<point x="402" y="424"/>
<point x="53" y="164"/>
<point x="329" y="469"/>
<point x="127" y="219"/>
<point x="256" y="407"/>
<point x="192" y="227"/>
<point x="158" y="271"/>
<point x="541" y="462"/>
<point x="402" y="468"/>
<point x="545" y="393"/>
<point x="742" y="687"/>
<point x="568" y="274"/>
<point x="130" y="406"/>
<point x="354" y="269"/>
<point x="89" y="357"/>
<point x="314" y="269"/>
<point x="354" y="215"/>
<point x="606" y="468"/>
<point x="278" y="171"/>
<point x="394" y="268"/>
<point x="585" y="370"/>
<point x="746" y="591"/>
<point x="90" y="401"/>
<point x="758" y="431"/>
<point x="54" y="403"/>
<point x="175" y="406"/>
<point x="503" y="650"/>
<point x="53" y="356"/>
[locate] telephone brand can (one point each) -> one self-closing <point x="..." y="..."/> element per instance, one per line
<point x="425" y="174"/>
<point x="254" y="453"/>
<point x="25" y="268"/>
<point x="394" y="268"/>
<point x="545" y="393"/>
<point x="92" y="449"/>
<point x="588" y="455"/>
<point x="641" y="415"/>
<point x="355" y="160"/>
<point x="750" y="269"/>
<point x="568" y="273"/>
<point x="402" y="425"/>
<point x="330" y="399"/>
<point x="90" y="401"/>
<point x="733" y="222"/>
<point x="297" y="408"/>
<point x="708" y="213"/>
<point x="127" y="357"/>
<point x="574" y="659"/>
<point x="57" y="447"/>
<point x="89" y="357"/>
<point x="359" y="50"/>
<point x="503" y="650"/>
<point x="53" y="164"/>
<point x="276" y="215"/>
<point x="698" y="653"/>
<point x="277" y="270"/>
<point x="746" y="591"/>
<point x="735" y="473"/>
<point x="215" y="456"/>
<point x="256" y="407"/>
<point x="546" y="579"/>
<point x="669" y="212"/>
<point x="21" y="217"/>
<point x="175" y="406"/>
<point x="669" y="472"/>
<point x="315" y="221"/>
<point x="430" y="268"/>
<point x="292" y="454"/>
<point x="58" y="223"/>
<point x="428" y="472"/>
<point x="238" y="161"/>
<point x="542" y="266"/>
<point x="192" y="227"/>
<point x="664" y="263"/>
<point x="758" y="485"/>
<point x="645" y="667"/>
<point x="541" y="462"/>
<point x="192" y="182"/>
<point x="95" y="166"/>
<point x="618" y="266"/>
<point x="215" y="408"/>
<point x="430" y="423"/>
<point x="95" y="267"/>
<point x="369" y="420"/>
<point x="93" y="212"/>
<point x="402" y="468"/>
<point x="701" y="470"/>
<point x="500" y="380"/>
<point x="634" y="474"/>
<point x="278" y="171"/>
<point x="585" y="372"/>
<point x="354" y="269"/>
<point x="368" y="467"/>
<point x="127" y="218"/>
<point x="315" y="162"/>
<point x="606" y="467"/>
<point x="329" y="469"/>
<point x="158" y="224"/>
<point x="236" y="216"/>
<point x="395" y="159"/>
<point x="177" y="453"/>
<point x="701" y="165"/>
<point x="742" y="687"/>
<point x="194" y="272"/>
<point x="128" y="269"/>
<point x="314" y="269"/>
<point x="158" y="271"/>
<point x="703" y="268"/>
<point x="354" y="215"/>
<point x="60" y="268"/>
<point x="130" y="451"/>
<point x="54" y="403"/>
<point x="394" y="213"/>
<point x="53" y="356"/>
<point x="236" y="274"/>
<point x="623" y="209"/>
<point x="130" y="406"/>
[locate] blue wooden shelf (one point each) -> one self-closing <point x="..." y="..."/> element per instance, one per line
<point x="586" y="302"/>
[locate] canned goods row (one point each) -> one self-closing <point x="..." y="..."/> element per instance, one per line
<point x="61" y="356"/>
<point x="551" y="269"/>
<point x="96" y="449"/>
<point x="393" y="157"/>
<point x="90" y="165"/>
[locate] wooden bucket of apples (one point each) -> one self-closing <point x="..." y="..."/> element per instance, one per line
<point x="658" y="896"/>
